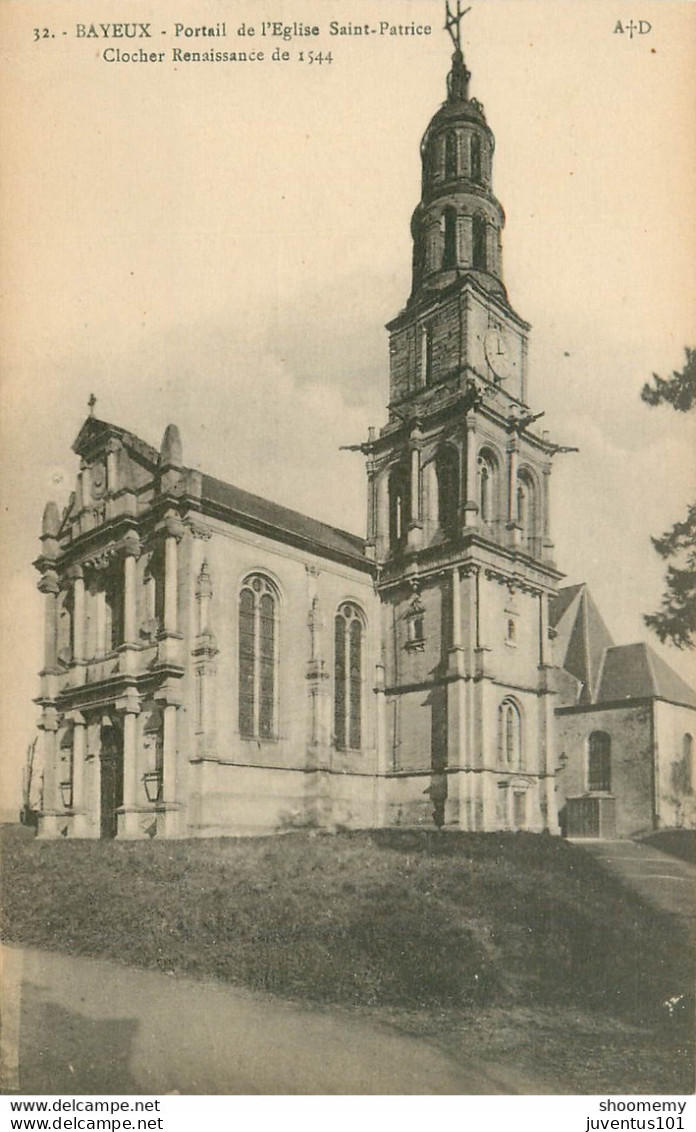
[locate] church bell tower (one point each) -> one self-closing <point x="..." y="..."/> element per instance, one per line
<point x="458" y="510"/>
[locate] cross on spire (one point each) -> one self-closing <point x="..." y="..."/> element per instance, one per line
<point x="452" y="22"/>
<point x="92" y="402"/>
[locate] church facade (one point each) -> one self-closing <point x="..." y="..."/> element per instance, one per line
<point x="216" y="664"/>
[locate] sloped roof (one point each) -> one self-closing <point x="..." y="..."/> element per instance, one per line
<point x="581" y="637"/>
<point x="258" y="510"/>
<point x="636" y="672"/>
<point x="561" y="600"/>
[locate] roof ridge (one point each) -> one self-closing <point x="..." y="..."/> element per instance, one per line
<point x="651" y="667"/>
<point x="284" y="507"/>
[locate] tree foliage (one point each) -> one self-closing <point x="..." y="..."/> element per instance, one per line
<point x="675" y="620"/>
<point x="679" y="390"/>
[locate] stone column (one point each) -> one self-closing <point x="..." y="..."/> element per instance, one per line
<point x="171" y="584"/>
<point x="470" y="493"/>
<point x="382" y="531"/>
<point x="371" y="507"/>
<point x="546" y="540"/>
<point x="130" y="549"/>
<point x="205" y="651"/>
<point x="173" y="529"/>
<point x="78" y="626"/>
<point x="100" y="622"/>
<point x="415" y="529"/>
<point x="169" y="753"/>
<point x="461" y="239"/>
<point x="415" y="485"/>
<point x="492" y="248"/>
<point x="79" y="801"/>
<point x="49" y="586"/>
<point x="456" y="755"/>
<point x="433" y="251"/>
<point x="50" y="771"/>
<point x="130" y="757"/>
<point x="466" y="236"/>
<point x="513" y="525"/>
<point x="513" y="455"/>
<point x="543" y="629"/>
<point x="456" y="609"/>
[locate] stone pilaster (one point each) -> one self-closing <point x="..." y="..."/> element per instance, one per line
<point x="470" y="492"/>
<point x="513" y="526"/>
<point x="51" y="809"/>
<point x="415" y="528"/>
<point x="49" y="586"/>
<point x="204" y="652"/>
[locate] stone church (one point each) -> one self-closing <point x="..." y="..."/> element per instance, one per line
<point x="217" y="664"/>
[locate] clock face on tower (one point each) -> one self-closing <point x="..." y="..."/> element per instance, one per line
<point x="499" y="354"/>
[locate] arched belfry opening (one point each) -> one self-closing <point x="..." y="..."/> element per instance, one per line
<point x="476" y="158"/>
<point x="449" y="238"/>
<point x="479" y="258"/>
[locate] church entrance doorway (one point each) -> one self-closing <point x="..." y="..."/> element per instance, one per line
<point x="519" y="809"/>
<point x="111" y="795"/>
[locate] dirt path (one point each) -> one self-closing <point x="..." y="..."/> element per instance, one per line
<point x="77" y="1026"/>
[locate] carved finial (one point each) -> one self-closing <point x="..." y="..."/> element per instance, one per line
<point x="92" y="402"/>
<point x="50" y="525"/>
<point x="171" y="451"/>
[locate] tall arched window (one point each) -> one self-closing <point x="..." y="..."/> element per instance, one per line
<point x="447" y="471"/>
<point x="487" y="492"/>
<point x="348" y="676"/>
<point x="599" y="762"/>
<point x="450" y="155"/>
<point x="449" y="230"/>
<point x="478" y="251"/>
<point x="476" y="158"/>
<point x="399" y="506"/>
<point x="510" y="734"/>
<point x="526" y="511"/>
<point x="258" y="604"/>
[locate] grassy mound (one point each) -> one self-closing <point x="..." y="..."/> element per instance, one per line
<point x="387" y="918"/>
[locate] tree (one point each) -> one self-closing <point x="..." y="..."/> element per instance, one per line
<point x="675" y="621"/>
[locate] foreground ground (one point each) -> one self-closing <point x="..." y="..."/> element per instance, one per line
<point x="521" y="951"/>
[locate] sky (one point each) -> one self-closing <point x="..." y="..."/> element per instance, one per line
<point x="220" y="245"/>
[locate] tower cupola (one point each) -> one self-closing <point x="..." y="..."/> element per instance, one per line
<point x="457" y="225"/>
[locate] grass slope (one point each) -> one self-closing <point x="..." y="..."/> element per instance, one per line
<point x="439" y="933"/>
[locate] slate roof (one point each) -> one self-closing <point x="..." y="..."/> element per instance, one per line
<point x="254" y="510"/>
<point x="636" y="672"/>
<point x="593" y="670"/>
<point x="581" y="637"/>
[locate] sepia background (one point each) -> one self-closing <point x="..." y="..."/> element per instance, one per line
<point x="220" y="246"/>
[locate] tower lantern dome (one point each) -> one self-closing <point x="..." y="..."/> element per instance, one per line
<point x="457" y="224"/>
